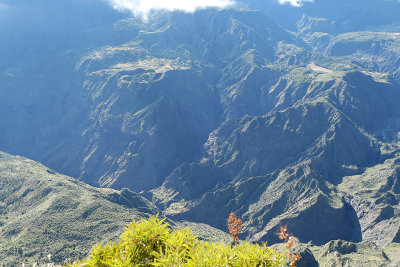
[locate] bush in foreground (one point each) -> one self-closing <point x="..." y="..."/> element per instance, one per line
<point x="151" y="243"/>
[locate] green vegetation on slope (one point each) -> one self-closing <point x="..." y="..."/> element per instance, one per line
<point x="151" y="243"/>
<point x="42" y="212"/>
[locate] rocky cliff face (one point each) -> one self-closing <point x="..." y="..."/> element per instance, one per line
<point x="146" y="106"/>
<point x="375" y="51"/>
<point x="283" y="166"/>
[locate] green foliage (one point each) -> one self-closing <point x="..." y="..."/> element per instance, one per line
<point x="151" y="243"/>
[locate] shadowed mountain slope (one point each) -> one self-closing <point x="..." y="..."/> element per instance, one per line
<point x="147" y="106"/>
<point x="282" y="167"/>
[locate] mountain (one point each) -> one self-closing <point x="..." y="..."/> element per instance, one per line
<point x="40" y="46"/>
<point x="206" y="113"/>
<point x="332" y="16"/>
<point x="43" y="212"/>
<point x="170" y="97"/>
<point x="374" y="51"/>
<point x="285" y="165"/>
<point x="144" y="109"/>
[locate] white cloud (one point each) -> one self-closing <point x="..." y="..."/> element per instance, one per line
<point x="143" y="7"/>
<point x="294" y="2"/>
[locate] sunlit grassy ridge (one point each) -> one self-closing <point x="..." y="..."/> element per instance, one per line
<point x="151" y="243"/>
<point x="43" y="212"/>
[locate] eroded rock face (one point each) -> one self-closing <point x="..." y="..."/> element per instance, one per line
<point x="273" y="168"/>
<point x="306" y="258"/>
<point x="146" y="106"/>
<point x="353" y="254"/>
<point x="319" y="223"/>
<point x="375" y="200"/>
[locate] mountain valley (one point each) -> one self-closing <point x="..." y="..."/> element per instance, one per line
<point x="196" y="115"/>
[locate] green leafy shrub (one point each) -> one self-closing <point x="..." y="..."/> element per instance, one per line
<point x="151" y="243"/>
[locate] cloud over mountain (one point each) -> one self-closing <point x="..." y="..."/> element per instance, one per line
<point x="143" y="7"/>
<point x="294" y="2"/>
